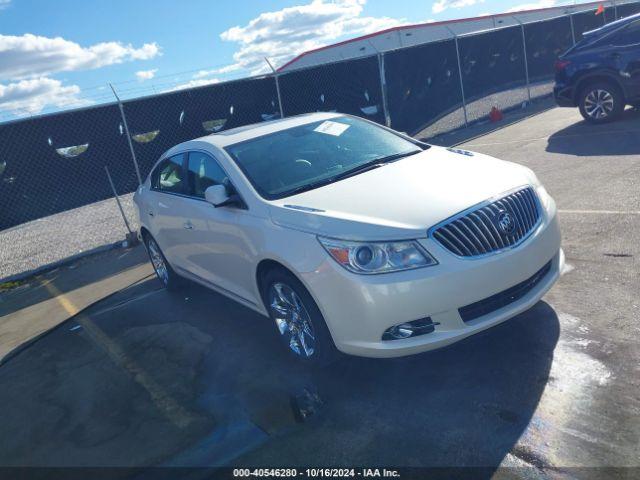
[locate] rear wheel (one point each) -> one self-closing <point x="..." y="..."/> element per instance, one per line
<point x="601" y="102"/>
<point x="297" y="319"/>
<point x="169" y="279"/>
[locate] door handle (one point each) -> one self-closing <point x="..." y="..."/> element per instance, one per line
<point x="151" y="214"/>
<point x="188" y="225"/>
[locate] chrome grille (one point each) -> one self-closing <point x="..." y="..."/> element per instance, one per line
<point x="491" y="227"/>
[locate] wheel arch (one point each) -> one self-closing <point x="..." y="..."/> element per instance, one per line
<point x="144" y="232"/>
<point x="600" y="76"/>
<point x="268" y="263"/>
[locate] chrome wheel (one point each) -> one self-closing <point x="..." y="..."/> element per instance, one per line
<point x="158" y="262"/>
<point x="292" y="319"/>
<point x="598" y="104"/>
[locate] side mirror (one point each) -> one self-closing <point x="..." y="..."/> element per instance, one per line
<point x="217" y="195"/>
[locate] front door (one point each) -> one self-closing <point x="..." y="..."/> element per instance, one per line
<point x="219" y="239"/>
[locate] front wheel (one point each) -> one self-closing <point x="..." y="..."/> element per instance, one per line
<point x="601" y="102"/>
<point x="297" y="318"/>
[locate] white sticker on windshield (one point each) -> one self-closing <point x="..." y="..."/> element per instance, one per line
<point x="331" y="128"/>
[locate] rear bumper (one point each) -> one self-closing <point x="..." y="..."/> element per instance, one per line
<point x="564" y="96"/>
<point x="358" y="309"/>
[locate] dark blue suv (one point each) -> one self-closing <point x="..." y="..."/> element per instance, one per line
<point x="601" y="73"/>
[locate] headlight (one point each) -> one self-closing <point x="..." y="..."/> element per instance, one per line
<point x="377" y="257"/>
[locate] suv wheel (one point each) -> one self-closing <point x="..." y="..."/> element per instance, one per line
<point x="169" y="279"/>
<point x="297" y="319"/>
<point x="601" y="102"/>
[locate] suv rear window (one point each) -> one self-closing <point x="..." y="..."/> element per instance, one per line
<point x="628" y="35"/>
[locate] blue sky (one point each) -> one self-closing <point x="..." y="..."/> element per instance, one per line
<point x="60" y="54"/>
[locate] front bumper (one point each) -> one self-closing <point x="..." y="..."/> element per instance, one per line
<point x="359" y="308"/>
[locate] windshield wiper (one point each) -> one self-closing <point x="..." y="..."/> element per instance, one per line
<point x="396" y="156"/>
<point x="378" y="162"/>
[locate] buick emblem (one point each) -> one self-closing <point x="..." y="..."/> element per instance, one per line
<point x="505" y="222"/>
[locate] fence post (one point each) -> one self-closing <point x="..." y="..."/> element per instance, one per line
<point x="115" y="194"/>
<point x="526" y="61"/>
<point x="464" y="100"/>
<point x="276" y="76"/>
<point x="615" y="9"/>
<point x="383" y="88"/>
<point x="126" y="130"/>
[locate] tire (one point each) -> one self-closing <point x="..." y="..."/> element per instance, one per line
<point x="312" y="346"/>
<point x="601" y="102"/>
<point x="167" y="276"/>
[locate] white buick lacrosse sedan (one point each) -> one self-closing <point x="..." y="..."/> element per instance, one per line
<point x="351" y="236"/>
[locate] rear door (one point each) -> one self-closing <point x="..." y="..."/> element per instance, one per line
<point x="166" y="208"/>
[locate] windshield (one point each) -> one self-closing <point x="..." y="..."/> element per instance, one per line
<point x="309" y="156"/>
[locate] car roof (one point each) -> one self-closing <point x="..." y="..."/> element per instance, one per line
<point x="609" y="27"/>
<point x="247" y="132"/>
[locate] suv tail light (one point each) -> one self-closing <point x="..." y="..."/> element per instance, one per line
<point x="560" y="65"/>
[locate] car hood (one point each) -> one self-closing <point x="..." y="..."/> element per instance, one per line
<point x="401" y="199"/>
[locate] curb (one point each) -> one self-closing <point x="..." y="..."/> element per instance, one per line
<point x="515" y="122"/>
<point x="479" y="121"/>
<point x="23" y="346"/>
<point x="61" y="263"/>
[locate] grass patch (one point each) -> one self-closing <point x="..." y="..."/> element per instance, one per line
<point x="10" y="285"/>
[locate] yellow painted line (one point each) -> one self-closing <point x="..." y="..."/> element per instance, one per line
<point x="171" y="409"/>
<point x="602" y="212"/>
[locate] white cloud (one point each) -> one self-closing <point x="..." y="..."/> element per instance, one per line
<point x="33" y="95"/>
<point x="199" y="82"/>
<point x="532" y="6"/>
<point x="143" y="75"/>
<point x="4" y="4"/>
<point x="217" y="71"/>
<point x="30" y="56"/>
<point x="441" y="5"/>
<point x="284" y="33"/>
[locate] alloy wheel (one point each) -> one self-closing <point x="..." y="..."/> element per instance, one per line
<point x="158" y="262"/>
<point x="598" y="104"/>
<point x="292" y="319"/>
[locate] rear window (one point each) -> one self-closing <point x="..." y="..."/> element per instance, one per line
<point x="168" y="175"/>
<point x="629" y="35"/>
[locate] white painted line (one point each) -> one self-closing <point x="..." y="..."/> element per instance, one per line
<point x="567" y="267"/>
<point x="602" y="212"/>
<point x="537" y="139"/>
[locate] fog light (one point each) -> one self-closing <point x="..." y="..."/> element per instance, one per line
<point x="410" y="329"/>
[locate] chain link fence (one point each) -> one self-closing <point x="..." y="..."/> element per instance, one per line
<point x="56" y="199"/>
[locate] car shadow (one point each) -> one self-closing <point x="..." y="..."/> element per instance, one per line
<point x="466" y="405"/>
<point x="583" y="139"/>
<point x="194" y="379"/>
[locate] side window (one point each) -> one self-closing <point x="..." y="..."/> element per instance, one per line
<point x="168" y="175"/>
<point x="203" y="172"/>
<point x="630" y="35"/>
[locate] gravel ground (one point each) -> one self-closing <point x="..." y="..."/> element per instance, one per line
<point x="51" y="239"/>
<point x="479" y="109"/>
